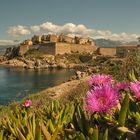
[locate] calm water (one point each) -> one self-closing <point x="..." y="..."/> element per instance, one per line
<point x="17" y="83"/>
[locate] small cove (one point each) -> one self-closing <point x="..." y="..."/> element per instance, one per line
<point x="16" y="83"/>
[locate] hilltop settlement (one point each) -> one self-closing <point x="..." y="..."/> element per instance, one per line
<point x="53" y="51"/>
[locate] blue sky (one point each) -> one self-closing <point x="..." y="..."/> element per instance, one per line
<point x="112" y="19"/>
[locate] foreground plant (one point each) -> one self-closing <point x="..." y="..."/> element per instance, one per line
<point x="105" y="95"/>
<point x="111" y="111"/>
<point x="100" y="79"/>
<point x="122" y="85"/>
<point x="135" y="87"/>
<point x="102" y="99"/>
<point x="27" y="103"/>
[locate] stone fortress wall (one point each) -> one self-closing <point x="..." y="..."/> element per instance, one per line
<point x="53" y="44"/>
<point x="107" y="51"/>
<point x="118" y="51"/>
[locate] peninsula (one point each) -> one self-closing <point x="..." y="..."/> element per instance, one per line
<point x="43" y="51"/>
<point x="60" y="51"/>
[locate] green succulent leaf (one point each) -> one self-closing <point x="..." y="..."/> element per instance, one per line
<point x="132" y="75"/>
<point x="105" y="135"/>
<point x="38" y="131"/>
<point x="1" y="135"/>
<point x="123" y="111"/>
<point x="137" y="117"/>
<point x="21" y="136"/>
<point x="45" y="131"/>
<point x="95" y="134"/>
<point x="125" y="130"/>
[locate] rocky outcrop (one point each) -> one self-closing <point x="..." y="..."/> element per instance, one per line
<point x="2" y="58"/>
<point x="14" y="63"/>
<point x="49" y="46"/>
<point x="62" y="65"/>
<point x="48" y="61"/>
<point x="11" y="52"/>
<point x="22" y="49"/>
<point x="80" y="74"/>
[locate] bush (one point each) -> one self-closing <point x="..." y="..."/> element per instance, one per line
<point x="34" y="54"/>
<point x="84" y="58"/>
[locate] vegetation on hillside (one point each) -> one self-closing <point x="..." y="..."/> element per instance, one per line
<point x="34" y="54"/>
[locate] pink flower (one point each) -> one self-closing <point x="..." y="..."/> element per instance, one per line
<point x="100" y="79"/>
<point x="101" y="99"/>
<point x="27" y="103"/>
<point x="135" y="87"/>
<point x="122" y="86"/>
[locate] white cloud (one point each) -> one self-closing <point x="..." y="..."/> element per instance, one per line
<point x="71" y="30"/>
<point x="18" y="30"/>
<point x="50" y="26"/>
<point x="81" y="30"/>
<point x="113" y="36"/>
<point x="73" y="35"/>
<point x="35" y="28"/>
<point x="7" y="42"/>
<point x="68" y="28"/>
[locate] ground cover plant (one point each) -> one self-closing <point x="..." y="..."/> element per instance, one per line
<point x="109" y="110"/>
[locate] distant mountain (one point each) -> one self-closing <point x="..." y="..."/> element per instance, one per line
<point x="130" y="43"/>
<point x="113" y="43"/>
<point x="107" y="43"/>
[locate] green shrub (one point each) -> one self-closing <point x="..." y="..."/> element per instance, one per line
<point x="85" y="58"/>
<point x="34" y="54"/>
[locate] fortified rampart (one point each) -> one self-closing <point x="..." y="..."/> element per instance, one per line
<point x="119" y="51"/>
<point x="53" y="44"/>
<point x="48" y="48"/>
<point x="82" y="48"/>
<point x="107" y="51"/>
<point x="62" y="48"/>
<point x="54" y="48"/>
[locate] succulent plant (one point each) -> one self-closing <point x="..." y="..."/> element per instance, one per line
<point x="73" y="121"/>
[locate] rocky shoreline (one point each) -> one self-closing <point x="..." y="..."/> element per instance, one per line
<point x="29" y="64"/>
<point x="43" y="61"/>
<point x="83" y="66"/>
<point x="34" y="63"/>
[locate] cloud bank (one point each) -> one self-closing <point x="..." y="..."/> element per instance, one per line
<point x="113" y="36"/>
<point x="70" y="29"/>
<point x="18" y="30"/>
<point x="7" y="42"/>
<point x="35" y="28"/>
